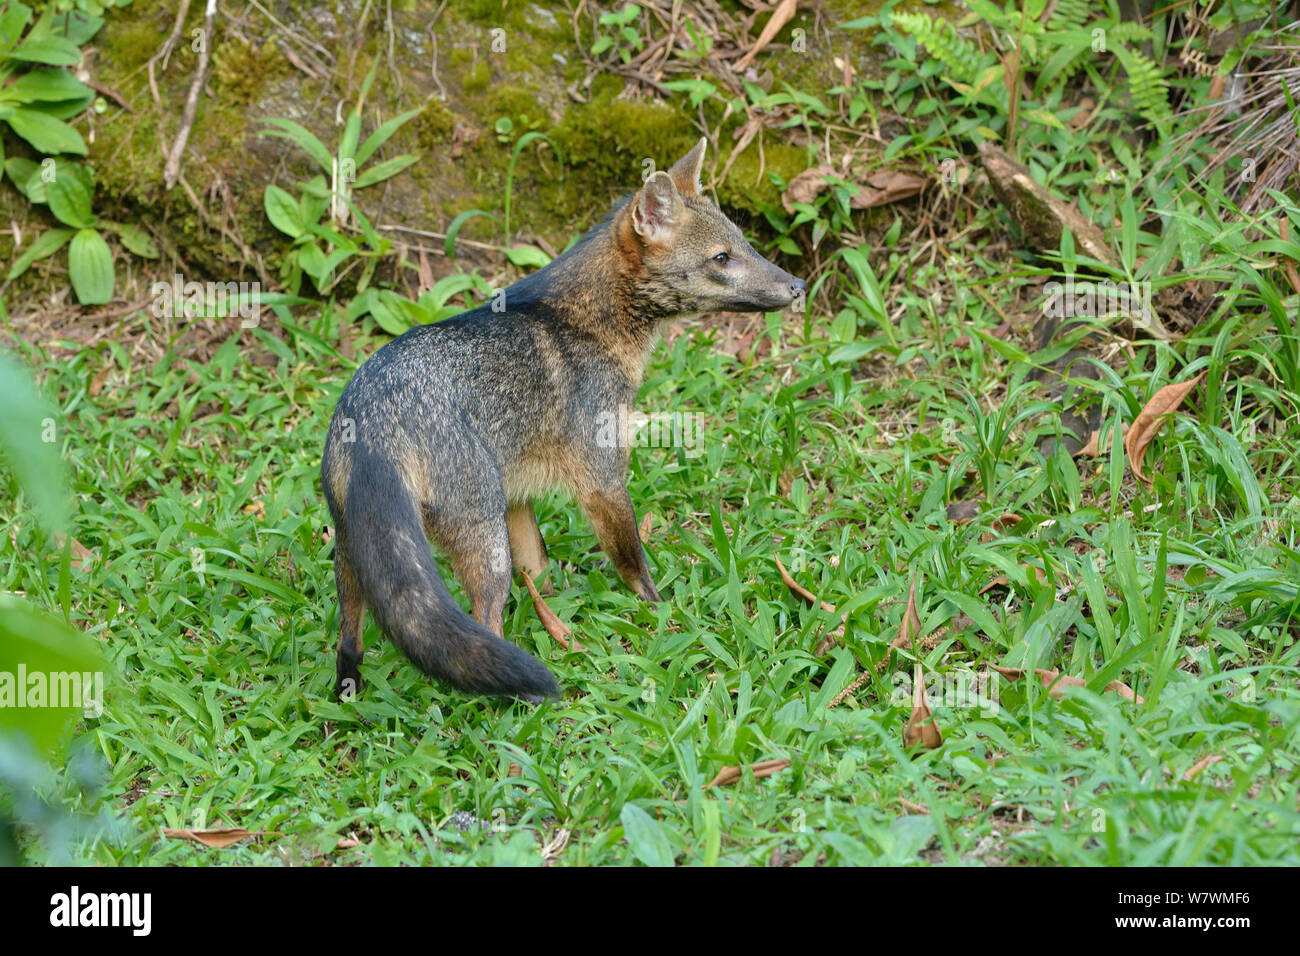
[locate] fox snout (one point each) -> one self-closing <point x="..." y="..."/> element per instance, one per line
<point x="776" y="289"/>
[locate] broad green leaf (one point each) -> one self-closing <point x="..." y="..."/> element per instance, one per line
<point x="45" y="133"/>
<point x="303" y="137"/>
<point x="389" y="167"/>
<point x="90" y="265"/>
<point x="69" y="195"/>
<point x="47" y="244"/>
<point x="312" y="260"/>
<point x="47" y="86"/>
<point x="78" y="27"/>
<point x="14" y="18"/>
<point x="388" y="318"/>
<point x="351" y="133"/>
<point x="283" y="211"/>
<point x="645" y="837"/>
<point x="52" y="50"/>
<point x="26" y="175"/>
<point x="381" y="135"/>
<point x="43" y="645"/>
<point x="527" y="256"/>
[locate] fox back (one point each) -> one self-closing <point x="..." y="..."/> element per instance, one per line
<point x="449" y="431"/>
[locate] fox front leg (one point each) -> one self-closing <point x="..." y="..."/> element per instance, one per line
<point x="614" y="521"/>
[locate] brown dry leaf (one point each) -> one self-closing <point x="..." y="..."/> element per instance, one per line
<point x="1000" y="581"/>
<point x="347" y="843"/>
<point x="97" y="383"/>
<point x="806" y="186"/>
<point x="514" y="770"/>
<point x="764" y="768"/>
<point x="1031" y="571"/>
<point x="1163" y="403"/>
<point x="921" y="728"/>
<point x="647" y="520"/>
<point x="886" y="186"/>
<point x="1008" y="519"/>
<point x="830" y="640"/>
<point x="780" y="17"/>
<point x="1201" y="764"/>
<point x="910" y="626"/>
<point x="799" y="589"/>
<point x="220" y="837"/>
<point x="1092" y="449"/>
<point x="1057" y="684"/>
<point x="554" y="626"/>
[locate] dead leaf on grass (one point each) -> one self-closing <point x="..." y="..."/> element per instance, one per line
<point x="554" y="626"/>
<point x="1057" y="684"/>
<point x="219" y="838"/>
<point x="886" y="186"/>
<point x="1092" y="448"/>
<point x="1200" y="765"/>
<point x="1149" y="421"/>
<point x="921" y="728"/>
<point x="764" y="768"/>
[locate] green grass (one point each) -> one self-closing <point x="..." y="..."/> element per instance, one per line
<point x="210" y="588"/>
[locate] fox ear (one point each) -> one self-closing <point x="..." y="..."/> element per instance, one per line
<point x="657" y="209"/>
<point x="686" y="171"/>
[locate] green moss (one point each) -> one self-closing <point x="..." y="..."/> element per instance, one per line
<point x="129" y="44"/>
<point x="514" y="102"/>
<point x="748" y="185"/>
<point x="434" y="126"/>
<point x="477" y="78"/>
<point x="611" y="137"/>
<point x="242" y="70"/>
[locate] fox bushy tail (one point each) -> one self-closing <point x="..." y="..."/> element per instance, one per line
<point x="390" y="556"/>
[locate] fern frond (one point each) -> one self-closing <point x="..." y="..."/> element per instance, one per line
<point x="1070" y="15"/>
<point x="1147" y="86"/>
<point x="963" y="59"/>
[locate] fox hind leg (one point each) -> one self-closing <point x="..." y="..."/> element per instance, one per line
<point x="352" y="615"/>
<point x="480" y="557"/>
<point x="527" y="548"/>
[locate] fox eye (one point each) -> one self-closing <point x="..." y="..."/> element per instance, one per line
<point x="722" y="258"/>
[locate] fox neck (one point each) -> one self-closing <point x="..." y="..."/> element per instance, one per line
<point x="601" y="288"/>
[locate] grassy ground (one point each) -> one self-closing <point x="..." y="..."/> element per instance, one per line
<point x="208" y="579"/>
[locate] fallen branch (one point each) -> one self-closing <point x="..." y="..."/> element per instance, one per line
<point x="172" y="169"/>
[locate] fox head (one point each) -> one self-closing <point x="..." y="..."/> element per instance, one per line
<point x="691" y="258"/>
